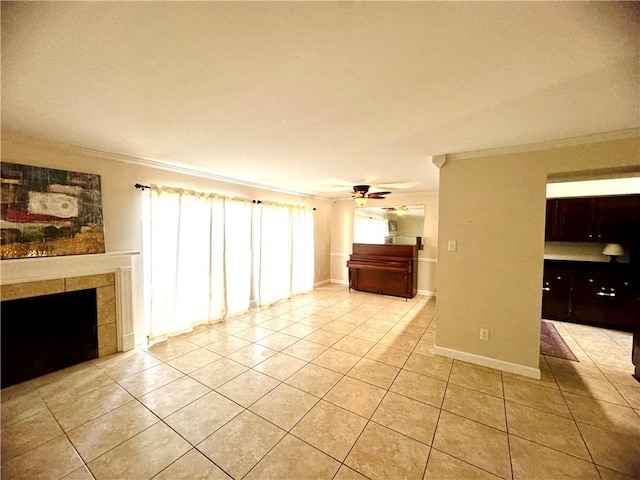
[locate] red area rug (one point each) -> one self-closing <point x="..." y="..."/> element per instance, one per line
<point x="552" y="344"/>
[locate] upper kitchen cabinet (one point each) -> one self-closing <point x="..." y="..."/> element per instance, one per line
<point x="591" y="219"/>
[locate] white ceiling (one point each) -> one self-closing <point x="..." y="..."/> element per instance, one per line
<point x="305" y="96"/>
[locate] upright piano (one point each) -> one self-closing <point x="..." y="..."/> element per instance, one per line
<point x="387" y="269"/>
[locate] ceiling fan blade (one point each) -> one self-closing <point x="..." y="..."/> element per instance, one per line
<point x="379" y="193"/>
<point x="375" y="196"/>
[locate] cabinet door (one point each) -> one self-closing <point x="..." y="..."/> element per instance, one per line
<point x="551" y="233"/>
<point x="588" y="302"/>
<point x="622" y="304"/>
<point x="613" y="215"/>
<point x="574" y="219"/>
<point x="556" y="289"/>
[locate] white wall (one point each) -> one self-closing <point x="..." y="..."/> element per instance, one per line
<point x="122" y="202"/>
<point x="342" y="236"/>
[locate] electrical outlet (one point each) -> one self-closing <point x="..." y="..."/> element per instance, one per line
<point x="484" y="334"/>
<point x="452" y="245"/>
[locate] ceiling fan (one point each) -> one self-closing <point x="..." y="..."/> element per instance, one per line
<point x="361" y="194"/>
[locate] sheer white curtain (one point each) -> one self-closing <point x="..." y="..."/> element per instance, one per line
<point x="285" y="262"/>
<point x="184" y="257"/>
<point x="202" y="251"/>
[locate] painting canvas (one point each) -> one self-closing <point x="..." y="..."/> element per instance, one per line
<point x="48" y="212"/>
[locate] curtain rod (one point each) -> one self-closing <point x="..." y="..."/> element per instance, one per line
<point x="143" y="187"/>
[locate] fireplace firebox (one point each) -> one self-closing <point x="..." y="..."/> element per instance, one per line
<point x="47" y="333"/>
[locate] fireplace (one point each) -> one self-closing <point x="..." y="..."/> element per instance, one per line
<point x="105" y="279"/>
<point x="47" y="333"/>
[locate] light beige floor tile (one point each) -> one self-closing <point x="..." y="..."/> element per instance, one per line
<point x="461" y="438"/>
<point x="53" y="459"/>
<point x="58" y="394"/>
<point x="424" y="389"/>
<point x="194" y="360"/>
<point x="278" y="341"/>
<point x="546" y="377"/>
<point x="279" y="323"/>
<point x="546" y="429"/>
<point x="199" y="419"/>
<point x="124" y="366"/>
<point x="314" y="379"/>
<point x="305" y="350"/>
<point x="483" y="381"/>
<point x="299" y="330"/>
<point x="330" y="429"/>
<point x="284" y="406"/>
<point x="218" y="372"/>
<point x="81" y="473"/>
<point x="248" y="387"/>
<point x="445" y="467"/>
<point x="205" y="337"/>
<point x="590" y="387"/>
<point x="172" y="397"/>
<point x="369" y="333"/>
<point x="608" y="474"/>
<point x="436" y="367"/>
<point x="612" y="450"/>
<point x="339" y="327"/>
<point x="474" y="405"/>
<point x="400" y="341"/>
<point x="533" y="461"/>
<point x="389" y="355"/>
<point x="346" y="473"/>
<point x="373" y="372"/>
<point x="356" y="346"/>
<point x="150" y="379"/>
<point x="171" y="348"/>
<point x="227" y="345"/>
<point x="251" y="355"/>
<point x="281" y="366"/>
<point x="605" y="415"/>
<point x="192" y="466"/>
<point x="111" y="429"/>
<point x="543" y="398"/>
<point x="620" y="374"/>
<point x="231" y="326"/>
<point x="89" y="406"/>
<point x="255" y="333"/>
<point x="409" y="417"/>
<point x="29" y="433"/>
<point x="241" y="443"/>
<point x="630" y="394"/>
<point x="294" y="459"/>
<point x="142" y="456"/>
<point x="383" y="453"/>
<point x="356" y="396"/>
<point x="324" y="337"/>
<point x="336" y="360"/>
<point x="21" y="406"/>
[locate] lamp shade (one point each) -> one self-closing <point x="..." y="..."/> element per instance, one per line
<point x="361" y="201"/>
<point x="613" y="249"/>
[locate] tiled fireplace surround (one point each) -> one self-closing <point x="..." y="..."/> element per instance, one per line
<point x="110" y="274"/>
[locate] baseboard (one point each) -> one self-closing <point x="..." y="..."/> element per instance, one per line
<point x="340" y="282"/>
<point x="488" y="362"/>
<point x="320" y="283"/>
<point x="427" y="293"/>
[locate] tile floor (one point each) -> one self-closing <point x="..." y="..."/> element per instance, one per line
<point x="327" y="385"/>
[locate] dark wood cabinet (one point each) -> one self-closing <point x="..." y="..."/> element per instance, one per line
<point x="591" y="219"/>
<point x="385" y="269"/>
<point x="592" y="293"/>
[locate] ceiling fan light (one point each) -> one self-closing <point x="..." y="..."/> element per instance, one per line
<point x="361" y="201"/>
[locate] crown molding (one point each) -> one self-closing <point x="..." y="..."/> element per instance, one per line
<point x="440" y="160"/>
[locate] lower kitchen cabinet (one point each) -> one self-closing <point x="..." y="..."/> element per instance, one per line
<point x="592" y="293"/>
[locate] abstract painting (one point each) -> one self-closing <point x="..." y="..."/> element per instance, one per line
<point x="47" y="212"/>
